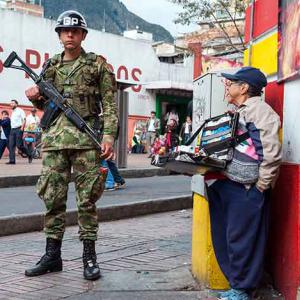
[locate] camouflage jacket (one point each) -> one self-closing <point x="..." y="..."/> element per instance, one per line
<point x="89" y="74"/>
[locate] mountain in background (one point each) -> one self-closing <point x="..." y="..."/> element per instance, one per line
<point x="117" y="17"/>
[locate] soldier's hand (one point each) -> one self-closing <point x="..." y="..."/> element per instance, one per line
<point x="33" y="93"/>
<point x="107" y="150"/>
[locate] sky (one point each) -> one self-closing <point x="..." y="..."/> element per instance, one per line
<point x="160" y="12"/>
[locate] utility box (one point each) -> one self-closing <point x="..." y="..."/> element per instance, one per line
<point x="209" y="98"/>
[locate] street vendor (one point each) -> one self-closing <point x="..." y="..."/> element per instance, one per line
<point x="239" y="196"/>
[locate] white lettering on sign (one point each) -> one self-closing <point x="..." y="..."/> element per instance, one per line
<point x="70" y="21"/>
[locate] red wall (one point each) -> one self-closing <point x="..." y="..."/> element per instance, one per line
<point x="284" y="262"/>
<point x="265" y="17"/>
<point x="274" y="97"/>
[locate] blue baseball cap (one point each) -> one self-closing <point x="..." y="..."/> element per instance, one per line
<point x="251" y="75"/>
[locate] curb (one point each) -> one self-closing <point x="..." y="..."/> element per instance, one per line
<point x="34" y="222"/>
<point x="28" y="180"/>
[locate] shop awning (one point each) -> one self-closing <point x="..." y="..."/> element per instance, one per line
<point x="183" y="89"/>
<point x="124" y="84"/>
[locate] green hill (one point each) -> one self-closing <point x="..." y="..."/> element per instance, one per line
<point x="117" y="17"/>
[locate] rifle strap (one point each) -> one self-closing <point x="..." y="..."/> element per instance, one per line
<point x="45" y="67"/>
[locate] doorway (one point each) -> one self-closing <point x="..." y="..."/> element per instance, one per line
<point x="166" y="104"/>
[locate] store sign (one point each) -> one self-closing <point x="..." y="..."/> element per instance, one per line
<point x="35" y="40"/>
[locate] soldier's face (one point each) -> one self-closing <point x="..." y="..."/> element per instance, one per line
<point x="72" y="38"/>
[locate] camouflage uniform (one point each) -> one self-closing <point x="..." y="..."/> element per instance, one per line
<point x="85" y="83"/>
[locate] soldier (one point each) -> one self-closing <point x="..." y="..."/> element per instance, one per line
<point x="86" y="82"/>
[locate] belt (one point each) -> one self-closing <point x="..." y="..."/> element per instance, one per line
<point x="17" y="127"/>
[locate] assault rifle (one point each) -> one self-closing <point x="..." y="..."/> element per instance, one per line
<point x="55" y="101"/>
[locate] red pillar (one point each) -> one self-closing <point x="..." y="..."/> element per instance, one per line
<point x="197" y="49"/>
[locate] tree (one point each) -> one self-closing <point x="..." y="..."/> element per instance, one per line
<point x="219" y="13"/>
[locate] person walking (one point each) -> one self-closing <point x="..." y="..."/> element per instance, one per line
<point x="87" y="83"/>
<point x="119" y="182"/>
<point x="17" y="120"/>
<point x="152" y="129"/>
<point x="32" y="121"/>
<point x="186" y="130"/>
<point x="4" y="131"/>
<point x="109" y="182"/>
<point x="239" y="197"/>
<point x="31" y="131"/>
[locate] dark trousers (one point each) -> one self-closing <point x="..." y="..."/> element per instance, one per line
<point x="186" y="137"/>
<point x="3" y="145"/>
<point x="239" y="227"/>
<point x="114" y="171"/>
<point x="16" y="140"/>
<point x="138" y="148"/>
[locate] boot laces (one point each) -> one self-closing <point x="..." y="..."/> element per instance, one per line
<point x="89" y="254"/>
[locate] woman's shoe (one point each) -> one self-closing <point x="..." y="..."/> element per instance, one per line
<point x="120" y="185"/>
<point x="108" y="189"/>
<point x="235" y="294"/>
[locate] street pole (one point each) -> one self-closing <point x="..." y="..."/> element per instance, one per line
<point x="251" y="32"/>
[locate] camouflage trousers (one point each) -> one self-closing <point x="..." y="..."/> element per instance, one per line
<point x="52" y="188"/>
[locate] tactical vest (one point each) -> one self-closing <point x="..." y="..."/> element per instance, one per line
<point x="81" y="87"/>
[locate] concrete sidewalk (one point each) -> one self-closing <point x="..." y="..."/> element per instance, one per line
<point x="24" y="174"/>
<point x="141" y="258"/>
<point x="22" y="167"/>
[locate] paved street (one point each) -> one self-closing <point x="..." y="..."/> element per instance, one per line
<point x="23" y="200"/>
<point x="141" y="258"/>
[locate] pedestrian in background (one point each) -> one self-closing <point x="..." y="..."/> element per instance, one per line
<point x="113" y="180"/>
<point x="136" y="143"/>
<point x="32" y="121"/>
<point x="172" y="116"/>
<point x="4" y="131"/>
<point x="171" y="136"/>
<point x="119" y="182"/>
<point x="152" y="130"/>
<point x="17" y="120"/>
<point x="186" y="130"/>
<point x="239" y="197"/>
<point x="88" y="84"/>
<point x="109" y="182"/>
<point x="32" y="133"/>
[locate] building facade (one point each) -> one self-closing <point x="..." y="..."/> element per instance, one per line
<point x="31" y="7"/>
<point x="156" y="85"/>
<point x="221" y="35"/>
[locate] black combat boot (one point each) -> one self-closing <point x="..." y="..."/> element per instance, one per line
<point x="50" y="262"/>
<point x="91" y="270"/>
